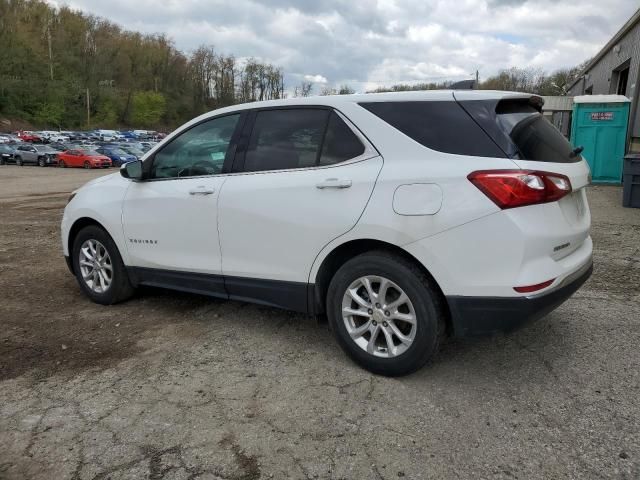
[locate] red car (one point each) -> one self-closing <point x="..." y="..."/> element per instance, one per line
<point x="83" y="158"/>
<point x="27" y="136"/>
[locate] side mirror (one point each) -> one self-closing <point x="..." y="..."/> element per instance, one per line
<point x="132" y="170"/>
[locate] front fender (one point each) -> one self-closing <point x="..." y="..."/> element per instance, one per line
<point x="100" y="201"/>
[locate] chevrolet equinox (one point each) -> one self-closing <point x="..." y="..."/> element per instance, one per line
<point x="402" y="217"/>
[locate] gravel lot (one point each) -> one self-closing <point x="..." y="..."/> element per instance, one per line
<point x="177" y="386"/>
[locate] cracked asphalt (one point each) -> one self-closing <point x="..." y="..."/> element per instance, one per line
<point x="176" y="386"/>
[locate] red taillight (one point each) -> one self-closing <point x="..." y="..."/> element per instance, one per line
<point x="534" y="288"/>
<point x="517" y="188"/>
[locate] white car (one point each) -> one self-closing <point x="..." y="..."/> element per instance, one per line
<point x="403" y="217"/>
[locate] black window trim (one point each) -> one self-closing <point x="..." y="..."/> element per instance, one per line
<point x="147" y="163"/>
<point x="370" y="150"/>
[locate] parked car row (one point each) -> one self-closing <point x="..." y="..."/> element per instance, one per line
<point x="48" y="136"/>
<point x="86" y="154"/>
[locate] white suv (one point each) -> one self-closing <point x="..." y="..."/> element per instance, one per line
<point x="403" y="217"/>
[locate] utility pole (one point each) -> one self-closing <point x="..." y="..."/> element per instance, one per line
<point x="477" y="80"/>
<point x="50" y="50"/>
<point x="88" y="109"/>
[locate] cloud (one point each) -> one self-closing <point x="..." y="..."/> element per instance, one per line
<point x="315" y="79"/>
<point x="367" y="44"/>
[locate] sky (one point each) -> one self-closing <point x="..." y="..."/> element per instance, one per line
<point x="366" y="44"/>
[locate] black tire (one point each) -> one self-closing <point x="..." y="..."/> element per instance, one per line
<point x="1" y="161"/>
<point x="87" y="165"/>
<point x="42" y="162"/>
<point x="424" y="296"/>
<point x="120" y="288"/>
<point x="19" y="161"/>
<point x="61" y="164"/>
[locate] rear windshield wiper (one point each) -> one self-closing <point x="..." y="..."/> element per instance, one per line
<point x="575" y="152"/>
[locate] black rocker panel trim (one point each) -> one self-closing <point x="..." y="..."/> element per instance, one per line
<point x="274" y="293"/>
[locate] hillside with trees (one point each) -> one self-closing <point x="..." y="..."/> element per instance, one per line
<point x="61" y="68"/>
<point x="55" y="64"/>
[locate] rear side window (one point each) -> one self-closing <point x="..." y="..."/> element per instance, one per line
<point x="284" y="139"/>
<point x="533" y="136"/>
<point x="441" y="126"/>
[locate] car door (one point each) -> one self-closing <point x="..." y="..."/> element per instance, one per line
<point x="71" y="158"/>
<point x="170" y="219"/>
<point x="302" y="177"/>
<point x="31" y="155"/>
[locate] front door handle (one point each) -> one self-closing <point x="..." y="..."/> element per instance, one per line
<point x="334" y="183"/>
<point x="201" y="191"/>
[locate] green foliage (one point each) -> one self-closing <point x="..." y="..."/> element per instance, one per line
<point x="50" y="56"/>
<point x="148" y="108"/>
<point x="49" y="113"/>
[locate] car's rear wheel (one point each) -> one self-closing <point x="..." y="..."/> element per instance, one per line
<point x="19" y="161"/>
<point x="385" y="313"/>
<point x="42" y="162"/>
<point x="99" y="268"/>
<point x="87" y="165"/>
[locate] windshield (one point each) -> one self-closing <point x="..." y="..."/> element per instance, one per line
<point x="117" y="151"/>
<point x="135" y="151"/>
<point x="46" y="149"/>
<point x="534" y="136"/>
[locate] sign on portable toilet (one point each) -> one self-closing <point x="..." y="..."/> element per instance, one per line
<point x="599" y="124"/>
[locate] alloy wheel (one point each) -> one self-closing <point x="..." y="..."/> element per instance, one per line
<point x="95" y="266"/>
<point x="379" y="316"/>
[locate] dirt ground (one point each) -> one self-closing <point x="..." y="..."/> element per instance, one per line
<point x="177" y="386"/>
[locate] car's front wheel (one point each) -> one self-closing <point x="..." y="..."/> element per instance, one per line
<point x="42" y="162"/>
<point x="385" y="313"/>
<point x="99" y="268"/>
<point x="87" y="165"/>
<point x="19" y="161"/>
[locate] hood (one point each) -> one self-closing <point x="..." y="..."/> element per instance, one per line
<point x="106" y="178"/>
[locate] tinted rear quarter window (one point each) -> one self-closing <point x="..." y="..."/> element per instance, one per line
<point x="439" y="125"/>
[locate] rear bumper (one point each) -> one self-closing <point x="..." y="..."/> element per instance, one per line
<point x="475" y="316"/>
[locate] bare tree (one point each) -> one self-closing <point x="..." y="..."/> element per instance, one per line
<point x="303" y="90"/>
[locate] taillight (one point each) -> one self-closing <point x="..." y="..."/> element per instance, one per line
<point x="517" y="188"/>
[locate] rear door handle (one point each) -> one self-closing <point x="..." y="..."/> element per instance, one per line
<point x="334" y="183"/>
<point x="201" y="191"/>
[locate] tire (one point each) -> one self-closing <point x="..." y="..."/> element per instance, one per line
<point x="1" y="161"/>
<point x="42" y="162"/>
<point x="61" y="164"/>
<point x="19" y="161"/>
<point x="119" y="287"/>
<point x="87" y="165"/>
<point x="424" y="305"/>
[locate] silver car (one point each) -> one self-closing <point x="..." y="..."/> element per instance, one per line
<point x="42" y="155"/>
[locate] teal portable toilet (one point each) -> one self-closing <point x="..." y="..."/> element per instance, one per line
<point x="599" y="124"/>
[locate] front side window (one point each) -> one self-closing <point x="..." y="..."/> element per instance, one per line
<point x="201" y="150"/>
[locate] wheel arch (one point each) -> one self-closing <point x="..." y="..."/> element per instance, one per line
<point x="345" y="251"/>
<point x="78" y="225"/>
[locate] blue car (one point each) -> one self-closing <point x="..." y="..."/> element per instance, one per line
<point x="129" y="135"/>
<point x="116" y="154"/>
